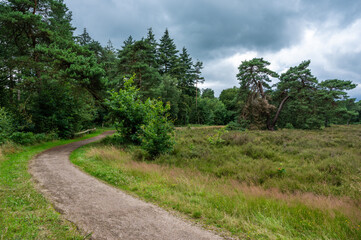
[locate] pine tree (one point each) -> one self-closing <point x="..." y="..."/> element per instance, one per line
<point x="137" y="59"/>
<point x="168" y="59"/>
<point x="254" y="78"/>
<point x="185" y="73"/>
<point x="152" y="51"/>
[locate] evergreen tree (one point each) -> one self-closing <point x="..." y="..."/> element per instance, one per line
<point x="168" y="60"/>
<point x="129" y="41"/>
<point x="208" y="93"/>
<point x="84" y="39"/>
<point x="185" y="73"/>
<point x="136" y="59"/>
<point x="43" y="61"/>
<point x="152" y="51"/>
<point x="297" y="87"/>
<point x="254" y="78"/>
<point x="333" y="101"/>
<point x="230" y="98"/>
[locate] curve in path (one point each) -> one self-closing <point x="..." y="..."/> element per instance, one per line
<point x="100" y="209"/>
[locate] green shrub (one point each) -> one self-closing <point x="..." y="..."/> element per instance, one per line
<point x="217" y="139"/>
<point x="241" y="125"/>
<point x="233" y="126"/>
<point x="142" y="123"/>
<point x="23" y="138"/>
<point x="6" y="125"/>
<point x="157" y="135"/>
<point x="115" y="139"/>
<point x="29" y="138"/>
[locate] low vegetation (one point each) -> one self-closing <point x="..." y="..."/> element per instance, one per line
<point x="289" y="184"/>
<point x="25" y="213"/>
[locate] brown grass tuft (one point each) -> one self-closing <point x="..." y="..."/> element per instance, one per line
<point x="109" y="153"/>
<point x="1" y="155"/>
<point x="9" y="148"/>
<point x="344" y="205"/>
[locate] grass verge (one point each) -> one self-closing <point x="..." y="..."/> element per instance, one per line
<point x="218" y="185"/>
<point x="25" y="213"/>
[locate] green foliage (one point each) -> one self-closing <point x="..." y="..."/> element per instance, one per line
<point x="169" y="92"/>
<point x="297" y="99"/>
<point x="217" y="139"/>
<point x="127" y="111"/>
<point x="209" y="111"/>
<point x="145" y="123"/>
<point x="138" y="58"/>
<point x="238" y="125"/>
<point x="168" y="59"/>
<point x="254" y="78"/>
<point x="6" y="125"/>
<point x="29" y="138"/>
<point x="230" y="98"/>
<point x="208" y="93"/>
<point x="157" y="134"/>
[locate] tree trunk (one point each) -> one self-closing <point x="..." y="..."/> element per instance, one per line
<point x="271" y="126"/>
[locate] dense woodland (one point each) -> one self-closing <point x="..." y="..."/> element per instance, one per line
<point x="53" y="82"/>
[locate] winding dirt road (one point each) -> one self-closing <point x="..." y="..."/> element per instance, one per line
<point x="100" y="209"/>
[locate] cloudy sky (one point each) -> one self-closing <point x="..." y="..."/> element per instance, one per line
<point x="224" y="33"/>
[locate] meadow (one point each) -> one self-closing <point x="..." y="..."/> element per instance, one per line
<point x="286" y="184"/>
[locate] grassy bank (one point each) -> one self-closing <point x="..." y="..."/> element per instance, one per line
<point x="25" y="213"/>
<point x="288" y="184"/>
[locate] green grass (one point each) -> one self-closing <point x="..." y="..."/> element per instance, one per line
<point x="289" y="184"/>
<point x="25" y="213"/>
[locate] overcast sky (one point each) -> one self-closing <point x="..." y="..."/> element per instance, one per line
<point x="223" y="33"/>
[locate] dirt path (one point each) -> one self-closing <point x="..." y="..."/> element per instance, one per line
<point x="102" y="210"/>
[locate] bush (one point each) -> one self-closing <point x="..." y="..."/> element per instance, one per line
<point x="241" y="125"/>
<point x="28" y="138"/>
<point x="216" y="139"/>
<point x="157" y="135"/>
<point x="6" y="125"/>
<point x="115" y="139"/>
<point x="23" y="138"/>
<point x="142" y="123"/>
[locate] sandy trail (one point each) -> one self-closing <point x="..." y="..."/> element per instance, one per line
<point x="100" y="209"/>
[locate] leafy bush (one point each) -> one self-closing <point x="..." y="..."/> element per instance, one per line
<point x="127" y="111"/>
<point x="241" y="125"/>
<point x="216" y="139"/>
<point x="23" y="138"/>
<point x="115" y="139"/>
<point x="28" y="138"/>
<point x="143" y="123"/>
<point x="6" y="125"/>
<point x="157" y="136"/>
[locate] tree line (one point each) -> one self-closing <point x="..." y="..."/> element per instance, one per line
<point x="52" y="81"/>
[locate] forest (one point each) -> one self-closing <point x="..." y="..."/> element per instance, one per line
<point x="56" y="83"/>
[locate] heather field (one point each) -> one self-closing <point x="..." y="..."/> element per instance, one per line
<point x="285" y="184"/>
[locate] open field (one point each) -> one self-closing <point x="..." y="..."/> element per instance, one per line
<point x="288" y="184"/>
<point x="25" y="213"/>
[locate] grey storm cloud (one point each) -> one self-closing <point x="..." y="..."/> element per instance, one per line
<point x="213" y="30"/>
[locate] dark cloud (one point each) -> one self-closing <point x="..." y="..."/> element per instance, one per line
<point x="213" y="29"/>
<point x="203" y="26"/>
